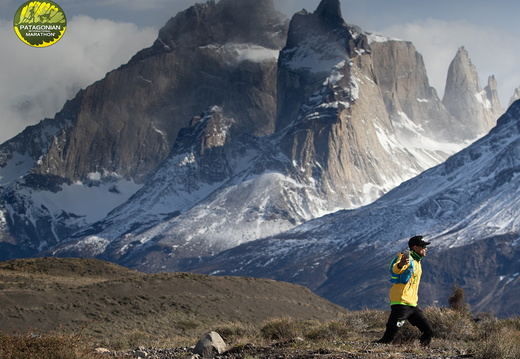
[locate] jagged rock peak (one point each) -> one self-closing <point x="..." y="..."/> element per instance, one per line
<point x="241" y="21"/>
<point x="492" y="96"/>
<point x="475" y="108"/>
<point x="326" y="22"/>
<point x="317" y="43"/>
<point x="460" y="68"/>
<point x="516" y="96"/>
<point x="330" y="10"/>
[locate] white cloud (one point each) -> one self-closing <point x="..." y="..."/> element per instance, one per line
<point x="36" y="82"/>
<point x="491" y="51"/>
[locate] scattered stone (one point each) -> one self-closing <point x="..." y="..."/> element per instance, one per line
<point x="210" y="345"/>
<point x="101" y="350"/>
<point x="141" y="354"/>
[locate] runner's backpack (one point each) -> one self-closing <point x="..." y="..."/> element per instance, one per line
<point x="404" y="277"/>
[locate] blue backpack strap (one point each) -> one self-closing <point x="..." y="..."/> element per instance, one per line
<point x="394" y="278"/>
<point x="404" y="277"/>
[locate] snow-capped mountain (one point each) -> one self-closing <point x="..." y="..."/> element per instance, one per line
<point x="235" y="124"/>
<point x="120" y="129"/>
<point x="219" y="189"/>
<point x="467" y="207"/>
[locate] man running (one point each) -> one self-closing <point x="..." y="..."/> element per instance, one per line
<point x="404" y="296"/>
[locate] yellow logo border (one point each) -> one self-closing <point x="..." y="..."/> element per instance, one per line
<point x="44" y="22"/>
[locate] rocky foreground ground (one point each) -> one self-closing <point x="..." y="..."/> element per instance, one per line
<point x="365" y="350"/>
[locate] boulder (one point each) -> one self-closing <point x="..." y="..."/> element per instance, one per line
<point x="210" y="344"/>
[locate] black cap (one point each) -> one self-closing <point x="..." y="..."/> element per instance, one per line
<point x="417" y="241"/>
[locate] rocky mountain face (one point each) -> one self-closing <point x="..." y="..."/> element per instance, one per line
<point x="234" y="125"/>
<point x="408" y="97"/>
<point x="127" y="123"/>
<point x="327" y="154"/>
<point x="467" y="207"/>
<point x="463" y="88"/>
<point x="123" y="127"/>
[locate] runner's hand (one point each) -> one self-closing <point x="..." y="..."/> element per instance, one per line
<point x="405" y="260"/>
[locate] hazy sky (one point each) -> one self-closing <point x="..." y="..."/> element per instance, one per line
<point x="103" y="34"/>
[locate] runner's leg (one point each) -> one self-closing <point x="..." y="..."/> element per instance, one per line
<point x="419" y="320"/>
<point x="398" y="313"/>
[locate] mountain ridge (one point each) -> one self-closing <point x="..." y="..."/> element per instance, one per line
<point x="308" y="178"/>
<point x="201" y="144"/>
<point x="467" y="203"/>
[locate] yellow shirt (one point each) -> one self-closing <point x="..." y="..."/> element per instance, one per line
<point x="407" y="294"/>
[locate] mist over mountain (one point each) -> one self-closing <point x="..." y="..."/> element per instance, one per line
<point x="236" y="124"/>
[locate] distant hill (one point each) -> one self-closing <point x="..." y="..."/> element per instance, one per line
<point x="105" y="299"/>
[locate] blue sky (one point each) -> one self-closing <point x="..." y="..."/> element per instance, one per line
<point x="103" y="34"/>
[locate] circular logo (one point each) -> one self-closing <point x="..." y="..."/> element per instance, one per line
<point x="40" y="23"/>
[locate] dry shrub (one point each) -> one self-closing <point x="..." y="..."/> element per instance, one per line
<point x="513" y="323"/>
<point x="281" y="329"/>
<point x="365" y="320"/>
<point x="448" y="324"/>
<point x="503" y="343"/>
<point x="330" y="331"/>
<point x="457" y="299"/>
<point x="451" y="324"/>
<point x="134" y="339"/>
<point x="48" y="346"/>
<point x="236" y="333"/>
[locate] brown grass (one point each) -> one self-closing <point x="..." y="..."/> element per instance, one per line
<point x="65" y="308"/>
<point x="457" y="335"/>
<point x="45" y="346"/>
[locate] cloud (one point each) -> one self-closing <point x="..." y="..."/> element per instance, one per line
<point x="140" y="5"/>
<point x="290" y="7"/>
<point x="36" y="82"/>
<point x="492" y="51"/>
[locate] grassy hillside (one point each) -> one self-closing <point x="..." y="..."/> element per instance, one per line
<point x="64" y="308"/>
<point x="110" y="301"/>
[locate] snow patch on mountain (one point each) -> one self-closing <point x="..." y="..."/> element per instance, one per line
<point x="226" y="226"/>
<point x="247" y="52"/>
<point x="472" y="196"/>
<point x="234" y="54"/>
<point x="16" y="160"/>
<point x="16" y="167"/>
<point x="482" y="98"/>
<point x="66" y="208"/>
<point x="316" y="54"/>
<point x="372" y="37"/>
<point x="92" y="202"/>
